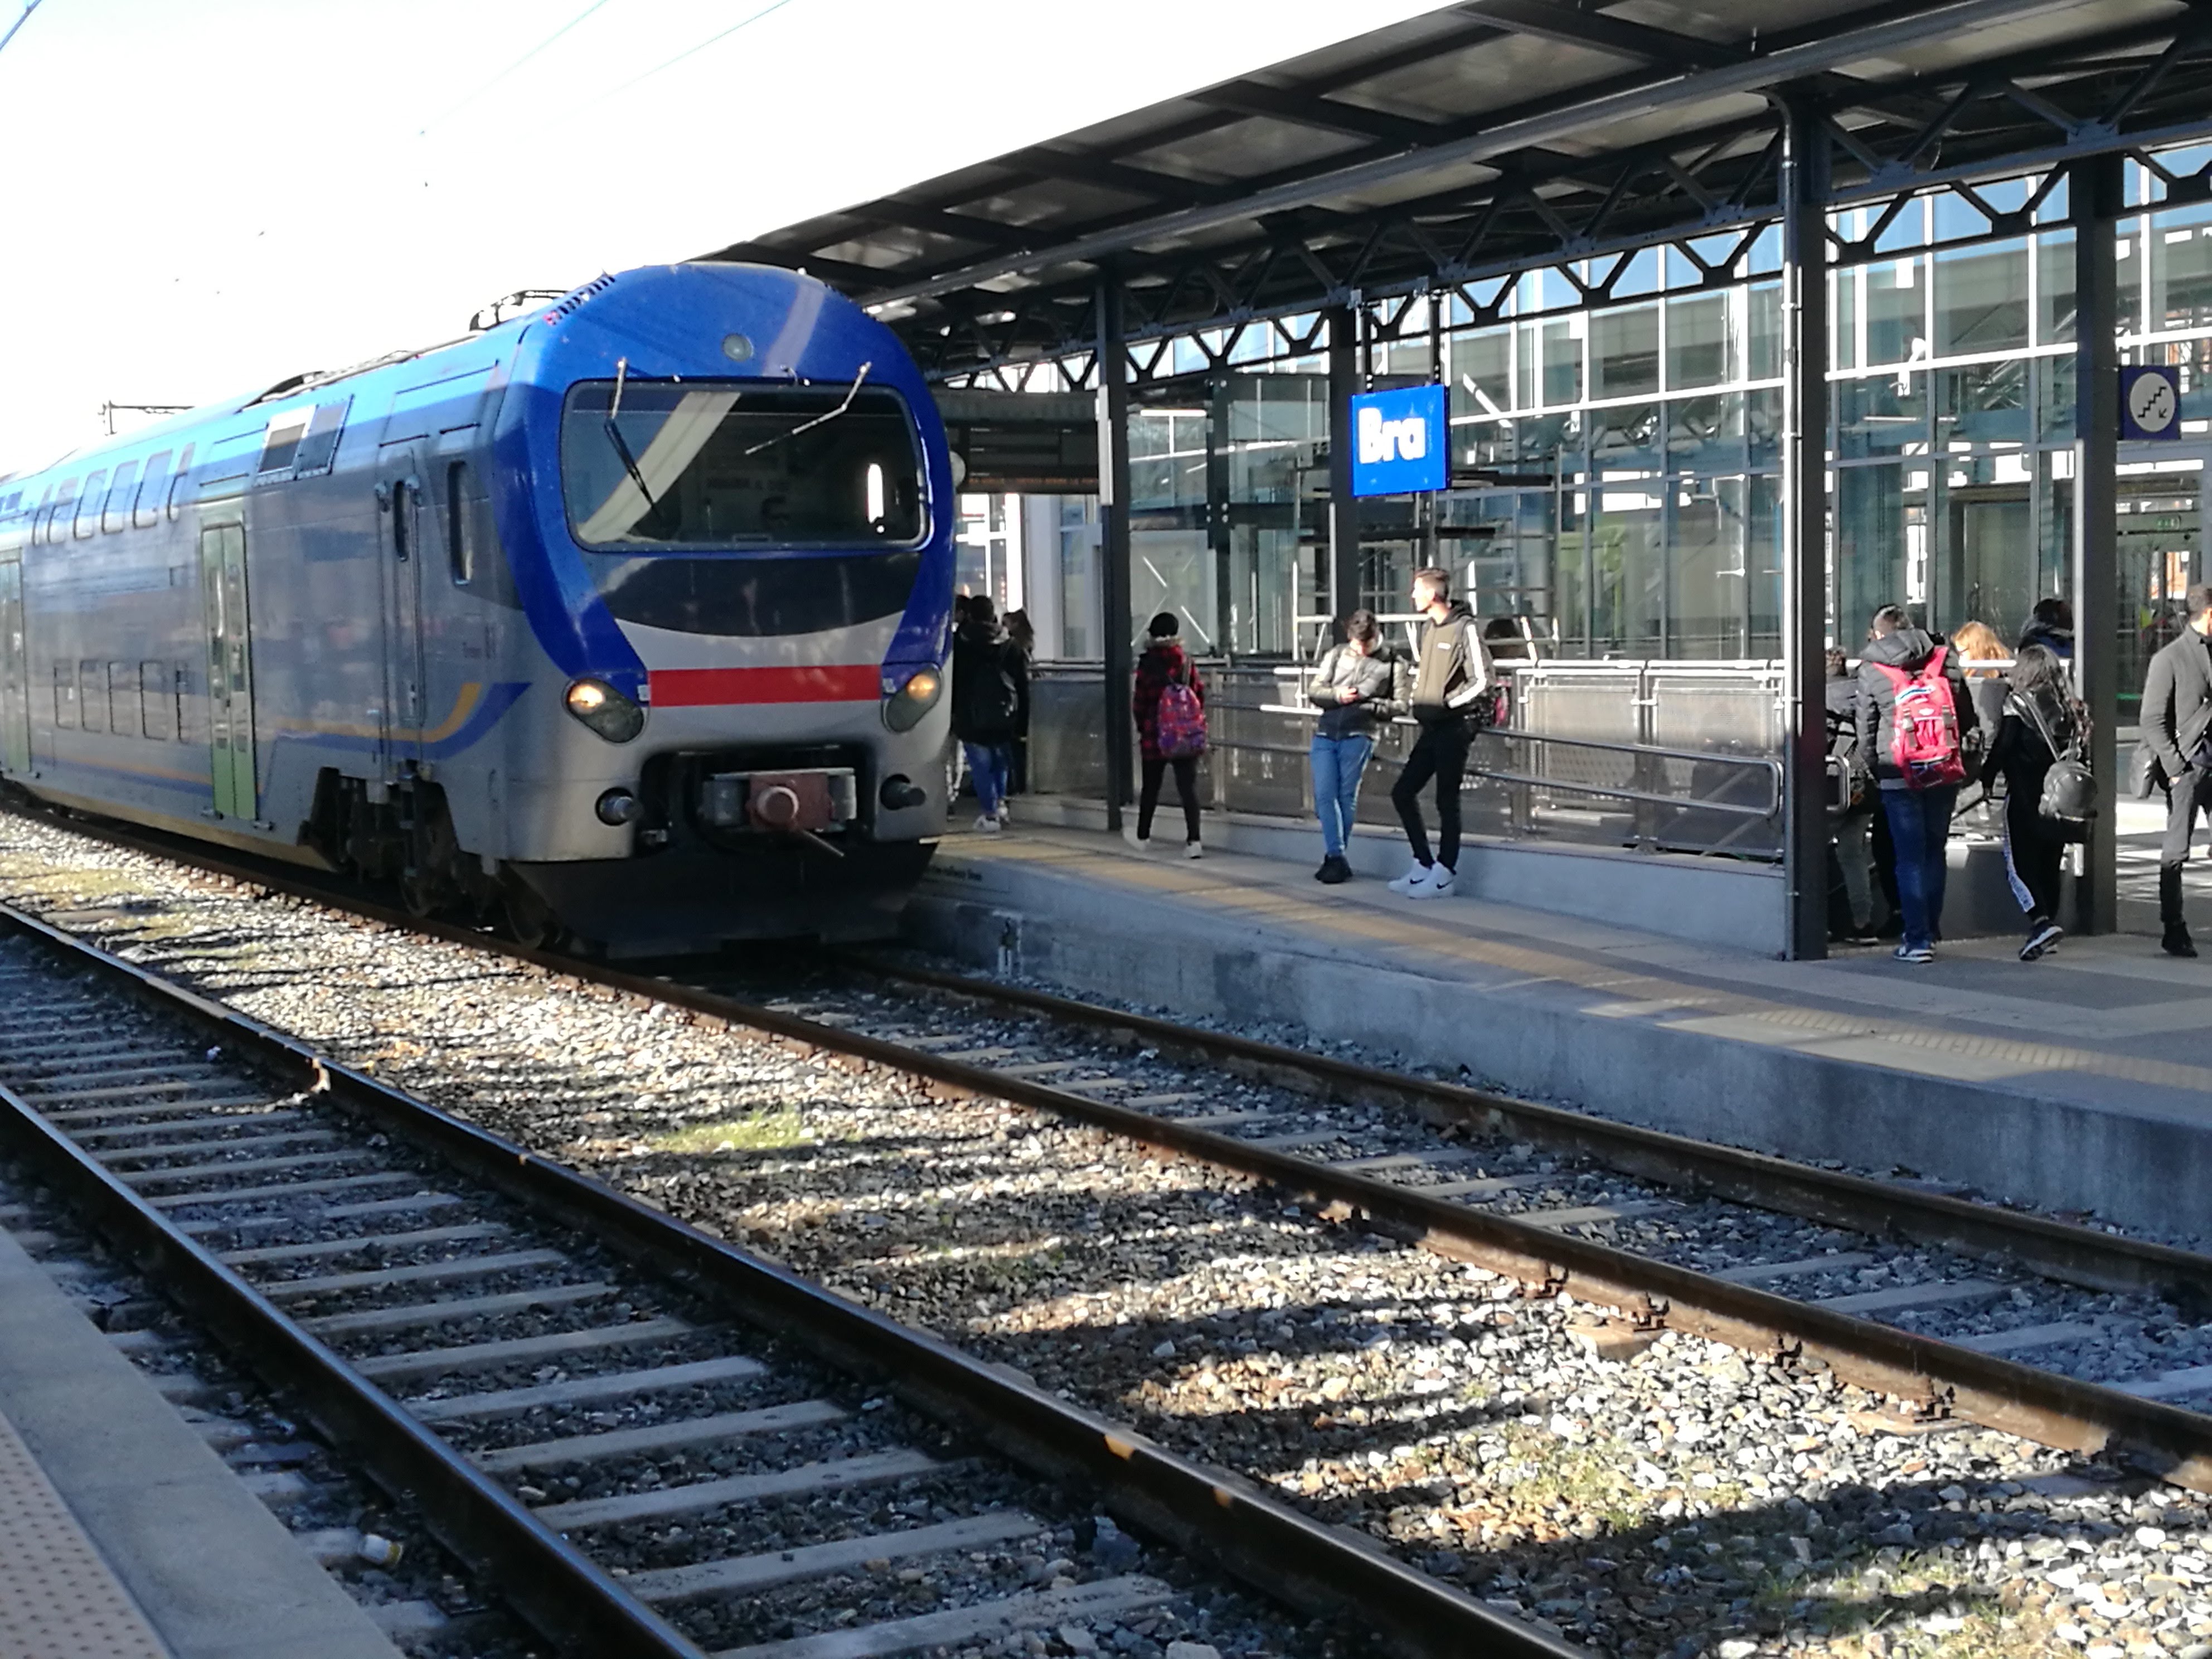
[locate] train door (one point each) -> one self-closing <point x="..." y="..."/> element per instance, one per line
<point x="409" y="713"/>
<point x="14" y="674"/>
<point x="230" y="672"/>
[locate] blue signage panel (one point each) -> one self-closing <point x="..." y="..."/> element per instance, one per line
<point x="2150" y="401"/>
<point x="1401" y="443"/>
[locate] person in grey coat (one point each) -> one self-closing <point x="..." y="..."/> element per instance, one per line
<point x="1358" y="686"/>
<point x="2177" y="724"/>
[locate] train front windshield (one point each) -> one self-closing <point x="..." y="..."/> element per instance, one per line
<point x="698" y="464"/>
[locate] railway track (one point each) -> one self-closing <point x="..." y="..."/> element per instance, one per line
<point x="646" y="1441"/>
<point x="1519" y="1187"/>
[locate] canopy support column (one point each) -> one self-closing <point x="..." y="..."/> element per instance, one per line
<point x="1112" y="362"/>
<point x="2097" y="201"/>
<point x="1805" y="524"/>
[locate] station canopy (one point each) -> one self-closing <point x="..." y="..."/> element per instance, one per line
<point x="1483" y="138"/>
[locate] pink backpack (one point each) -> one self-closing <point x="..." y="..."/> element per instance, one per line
<point x="1924" y="732"/>
<point x="1179" y="725"/>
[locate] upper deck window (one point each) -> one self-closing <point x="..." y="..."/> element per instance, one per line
<point x="152" y="490"/>
<point x="90" y="503"/>
<point x="281" y="447"/>
<point x="740" y="464"/>
<point x="117" y="514"/>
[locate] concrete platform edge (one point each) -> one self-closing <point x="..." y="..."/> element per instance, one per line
<point x="216" y="1574"/>
<point x="2124" y="1159"/>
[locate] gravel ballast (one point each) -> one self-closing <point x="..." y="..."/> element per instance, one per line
<point x="1685" y="1500"/>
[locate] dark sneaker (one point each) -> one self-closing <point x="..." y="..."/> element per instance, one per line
<point x="1915" y="953"/>
<point x="2177" y="943"/>
<point x="2042" y="941"/>
<point x="1334" y="872"/>
<point x="1321" y="874"/>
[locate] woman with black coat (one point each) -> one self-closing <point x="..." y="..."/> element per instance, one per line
<point x="2042" y="721"/>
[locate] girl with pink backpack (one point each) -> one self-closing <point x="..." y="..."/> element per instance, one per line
<point x="1169" y="703"/>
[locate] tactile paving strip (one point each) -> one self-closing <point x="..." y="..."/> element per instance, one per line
<point x="58" y="1598"/>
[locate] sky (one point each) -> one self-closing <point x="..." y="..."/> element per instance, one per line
<point x="211" y="195"/>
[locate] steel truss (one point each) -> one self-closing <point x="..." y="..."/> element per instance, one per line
<point x="1712" y="195"/>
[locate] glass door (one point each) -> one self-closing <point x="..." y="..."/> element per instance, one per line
<point x="230" y="672"/>
<point x="14" y="674"/>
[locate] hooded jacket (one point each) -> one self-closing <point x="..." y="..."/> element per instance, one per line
<point x="1380" y="677"/>
<point x="1908" y="648"/>
<point x="1451" y="669"/>
<point x="990" y="685"/>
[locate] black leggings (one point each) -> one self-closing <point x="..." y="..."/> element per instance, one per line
<point x="1148" y="797"/>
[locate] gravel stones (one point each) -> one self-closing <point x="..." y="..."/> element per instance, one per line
<point x="1679" y="1499"/>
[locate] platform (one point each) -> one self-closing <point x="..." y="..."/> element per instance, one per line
<point x="122" y="1535"/>
<point x="2075" y="1084"/>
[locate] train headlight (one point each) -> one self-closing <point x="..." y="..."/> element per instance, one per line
<point x="606" y="710"/>
<point x="916" y="695"/>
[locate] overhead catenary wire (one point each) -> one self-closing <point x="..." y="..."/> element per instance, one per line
<point x="693" y="51"/>
<point x="29" y="6"/>
<point x="485" y="87"/>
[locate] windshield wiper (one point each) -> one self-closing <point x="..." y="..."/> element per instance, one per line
<point x="622" y="445"/>
<point x="851" y="393"/>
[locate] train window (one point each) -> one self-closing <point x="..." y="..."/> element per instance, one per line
<point x="124" y="718"/>
<point x="281" y="447"/>
<point x="180" y="486"/>
<point x="157" y="704"/>
<point x="404" y="506"/>
<point x="60" y="514"/>
<point x="89" y="504"/>
<point x="320" y="446"/>
<point x="153" y="489"/>
<point x="64" y="696"/>
<point x="120" y="495"/>
<point x="740" y="464"/>
<point x="92" y="695"/>
<point x="461" y="525"/>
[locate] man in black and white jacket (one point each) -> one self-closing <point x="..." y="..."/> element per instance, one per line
<point x="2177" y="724"/>
<point x="1451" y="683"/>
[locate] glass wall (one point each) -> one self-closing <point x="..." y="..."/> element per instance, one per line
<point x="1616" y="421"/>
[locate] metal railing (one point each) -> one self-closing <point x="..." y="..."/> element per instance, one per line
<point x="1662" y="756"/>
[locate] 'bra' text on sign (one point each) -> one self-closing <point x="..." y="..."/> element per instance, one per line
<point x="1401" y="443"/>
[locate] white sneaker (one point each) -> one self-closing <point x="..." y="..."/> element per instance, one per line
<point x="1005" y="817"/>
<point x="1414" y="879"/>
<point x="1438" y="886"/>
<point x="1142" y="843"/>
<point x="987" y="824"/>
<point x="1191" y="849"/>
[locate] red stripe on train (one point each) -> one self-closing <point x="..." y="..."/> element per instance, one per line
<point x="703" y="687"/>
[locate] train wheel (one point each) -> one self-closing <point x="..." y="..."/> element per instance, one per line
<point x="530" y="920"/>
<point x="420" y="895"/>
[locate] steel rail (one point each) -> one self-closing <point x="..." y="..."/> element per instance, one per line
<point x="2057" y="1250"/>
<point x="1210" y="1514"/>
<point x="1934" y="1375"/>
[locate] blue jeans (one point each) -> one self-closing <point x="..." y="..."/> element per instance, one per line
<point x="989" y="765"/>
<point x="1919" y="825"/>
<point x="1337" y="764"/>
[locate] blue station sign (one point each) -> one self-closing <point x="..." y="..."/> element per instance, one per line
<point x="2150" y="401"/>
<point x="1403" y="444"/>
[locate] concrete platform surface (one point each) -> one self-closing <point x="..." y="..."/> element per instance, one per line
<point x="2080" y="1083"/>
<point x="58" y="1598"/>
<point x="164" y="1532"/>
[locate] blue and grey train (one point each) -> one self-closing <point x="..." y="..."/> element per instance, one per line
<point x="625" y="618"/>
